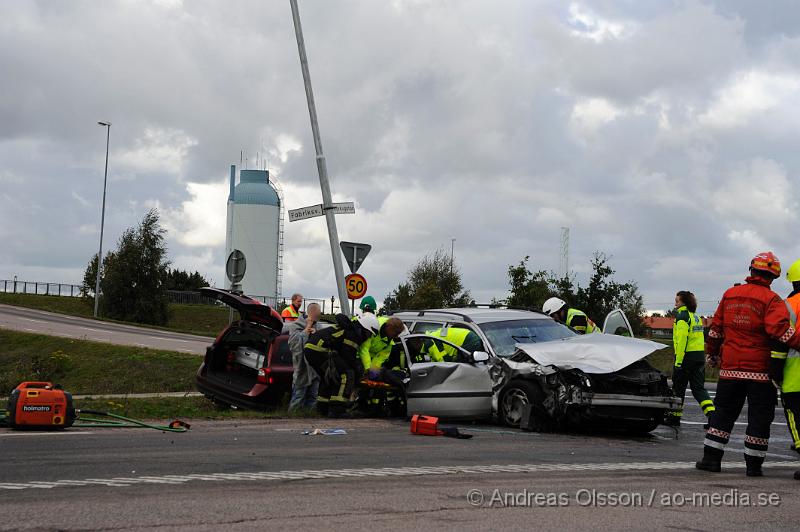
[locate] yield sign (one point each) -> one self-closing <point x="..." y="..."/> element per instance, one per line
<point x="354" y="253"/>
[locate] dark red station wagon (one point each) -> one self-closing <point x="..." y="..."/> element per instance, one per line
<point x="249" y="365"/>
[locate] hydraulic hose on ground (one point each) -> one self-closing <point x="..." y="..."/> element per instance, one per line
<point x="124" y="422"/>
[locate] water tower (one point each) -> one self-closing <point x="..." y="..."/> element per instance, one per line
<point x="255" y="226"/>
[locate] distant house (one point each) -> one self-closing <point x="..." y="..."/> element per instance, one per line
<point x="661" y="327"/>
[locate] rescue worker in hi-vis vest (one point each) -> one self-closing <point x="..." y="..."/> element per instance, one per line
<point x="333" y="354"/>
<point x="571" y="317"/>
<point x="790" y="387"/>
<point x="292" y="312"/>
<point x="456" y="334"/>
<point x="690" y="358"/>
<point x="382" y="356"/>
<point x="749" y="339"/>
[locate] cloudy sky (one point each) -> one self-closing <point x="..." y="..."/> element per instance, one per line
<point x="661" y="132"/>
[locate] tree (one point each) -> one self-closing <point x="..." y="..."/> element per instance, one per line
<point x="434" y="282"/>
<point x="185" y="281"/>
<point x="528" y="289"/>
<point x="90" y="279"/>
<point x="133" y="284"/>
<point x="602" y="295"/>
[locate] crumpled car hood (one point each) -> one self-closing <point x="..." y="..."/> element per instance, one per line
<point x="591" y="353"/>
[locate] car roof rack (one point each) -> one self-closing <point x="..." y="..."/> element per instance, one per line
<point x="421" y="313"/>
<point x="487" y="305"/>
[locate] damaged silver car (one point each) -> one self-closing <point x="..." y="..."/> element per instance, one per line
<point x="534" y="373"/>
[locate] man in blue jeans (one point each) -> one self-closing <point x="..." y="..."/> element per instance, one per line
<point x="305" y="381"/>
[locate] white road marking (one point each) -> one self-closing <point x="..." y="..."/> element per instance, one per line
<point x="370" y="472"/>
<point x="54" y="433"/>
<point x="741" y="423"/>
<point x="35" y="321"/>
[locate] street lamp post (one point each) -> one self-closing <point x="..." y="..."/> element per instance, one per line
<point x="106" y="125"/>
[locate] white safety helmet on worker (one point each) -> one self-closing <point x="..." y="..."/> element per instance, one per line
<point x="553" y="305"/>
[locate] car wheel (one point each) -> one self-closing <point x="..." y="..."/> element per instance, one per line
<point x="516" y="396"/>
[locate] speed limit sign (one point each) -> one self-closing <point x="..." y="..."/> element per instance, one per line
<point x="356" y="286"/>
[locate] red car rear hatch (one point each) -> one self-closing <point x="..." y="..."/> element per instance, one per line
<point x="248" y="308"/>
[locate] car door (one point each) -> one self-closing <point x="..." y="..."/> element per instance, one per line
<point x="617" y="323"/>
<point x="455" y="390"/>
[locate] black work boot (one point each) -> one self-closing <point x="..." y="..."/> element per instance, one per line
<point x="712" y="460"/>
<point x="797" y="475"/>
<point x="754" y="465"/>
<point x="338" y="410"/>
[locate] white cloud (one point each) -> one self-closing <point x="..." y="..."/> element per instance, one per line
<point x="758" y="194"/>
<point x="157" y="150"/>
<point x="748" y="94"/>
<point x="589" y="114"/>
<point x="589" y="25"/>
<point x="200" y="220"/>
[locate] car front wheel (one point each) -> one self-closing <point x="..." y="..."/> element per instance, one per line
<point x="517" y="395"/>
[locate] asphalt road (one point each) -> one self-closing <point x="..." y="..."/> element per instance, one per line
<point x="267" y="474"/>
<point x="37" y="321"/>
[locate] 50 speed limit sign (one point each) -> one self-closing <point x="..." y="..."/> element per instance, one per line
<point x="356" y="286"/>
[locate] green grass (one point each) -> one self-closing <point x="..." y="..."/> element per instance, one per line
<point x="83" y="367"/>
<point x="664" y="360"/>
<point x="75" y="306"/>
<point x="206" y="320"/>
<point x="168" y="408"/>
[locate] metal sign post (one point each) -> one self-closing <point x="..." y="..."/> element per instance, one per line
<point x="322" y="168"/>
<point x="235" y="267"/>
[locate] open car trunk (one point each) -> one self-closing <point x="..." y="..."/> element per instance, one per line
<point x="235" y="360"/>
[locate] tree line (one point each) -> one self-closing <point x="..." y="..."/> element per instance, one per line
<point x="435" y="282"/>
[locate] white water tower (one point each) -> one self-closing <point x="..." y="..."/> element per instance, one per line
<point x="255" y="227"/>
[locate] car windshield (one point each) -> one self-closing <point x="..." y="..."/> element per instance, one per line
<point x="503" y="335"/>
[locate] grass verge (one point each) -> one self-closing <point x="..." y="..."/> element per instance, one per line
<point x="206" y="320"/>
<point x="84" y="367"/>
<point x="664" y="360"/>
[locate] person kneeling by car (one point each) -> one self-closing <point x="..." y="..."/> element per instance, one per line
<point x="383" y="360"/>
<point x="333" y="354"/>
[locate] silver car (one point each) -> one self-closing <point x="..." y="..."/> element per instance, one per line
<point x="578" y="381"/>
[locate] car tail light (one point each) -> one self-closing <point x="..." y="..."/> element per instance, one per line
<point x="264" y="376"/>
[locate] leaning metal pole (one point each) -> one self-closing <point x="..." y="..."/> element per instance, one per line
<point x="102" y="226"/>
<point x="322" y="168"/>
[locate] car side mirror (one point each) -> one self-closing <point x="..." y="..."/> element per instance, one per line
<point x="480" y="356"/>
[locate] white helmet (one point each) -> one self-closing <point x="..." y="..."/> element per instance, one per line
<point x="370" y="323"/>
<point x="553" y="305"/>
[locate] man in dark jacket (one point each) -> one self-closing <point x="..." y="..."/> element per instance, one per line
<point x="333" y="353"/>
<point x="748" y="339"/>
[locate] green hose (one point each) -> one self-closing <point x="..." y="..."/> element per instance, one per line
<point x="123" y="423"/>
<point x="99" y="422"/>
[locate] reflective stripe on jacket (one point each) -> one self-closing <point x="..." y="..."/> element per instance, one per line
<point x="687" y="334"/>
<point x="455" y="335"/>
<point x="791" y="371"/>
<point x="376" y="351"/>
<point x="751" y="324"/>
<point x="290" y="313"/>
<point x="578" y="320"/>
